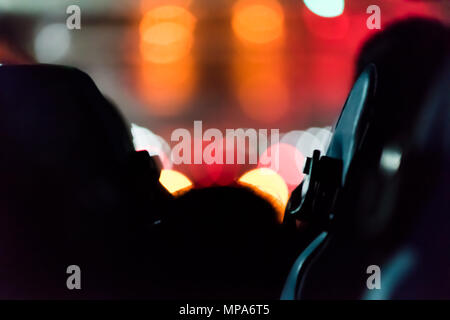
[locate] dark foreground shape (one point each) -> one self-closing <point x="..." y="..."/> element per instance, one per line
<point x="71" y="187"/>
<point x="389" y="181"/>
<point x="221" y="243"/>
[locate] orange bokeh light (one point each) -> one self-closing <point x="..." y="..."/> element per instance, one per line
<point x="259" y="67"/>
<point x="166" y="42"/>
<point x="167" y="13"/>
<point x="166" y="34"/>
<point x="166" y="73"/>
<point x="258" y="21"/>
<point x="146" y="5"/>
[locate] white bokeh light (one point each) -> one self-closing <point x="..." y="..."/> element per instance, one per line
<point x="326" y="8"/>
<point x="52" y="43"/>
<point x="324" y="135"/>
<point x="144" y="139"/>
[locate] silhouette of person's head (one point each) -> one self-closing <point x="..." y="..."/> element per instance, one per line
<point x="72" y="187"/>
<point x="221" y="242"/>
<point x="408" y="56"/>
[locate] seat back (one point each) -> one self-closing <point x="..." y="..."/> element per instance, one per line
<point x="312" y="202"/>
<point x="368" y="227"/>
<point x="326" y="174"/>
<point x="361" y="224"/>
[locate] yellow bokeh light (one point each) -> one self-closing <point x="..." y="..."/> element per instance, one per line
<point x="174" y="181"/>
<point x="258" y="21"/>
<point x="270" y="185"/>
<point x="166" y="34"/>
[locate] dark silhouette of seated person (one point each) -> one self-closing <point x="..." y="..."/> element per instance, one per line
<point x="220" y="242"/>
<point x="73" y="190"/>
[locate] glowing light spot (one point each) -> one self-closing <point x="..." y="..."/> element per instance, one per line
<point x="170" y="13"/>
<point x="174" y="181"/>
<point x="267" y="182"/>
<point x="329" y="29"/>
<point x="323" y="134"/>
<point x="165" y="77"/>
<point x="166" y="42"/>
<point x="390" y="160"/>
<point x="52" y="43"/>
<point x="146" y="5"/>
<point x="214" y="174"/>
<point x="304" y="141"/>
<point x="326" y="8"/>
<point x="144" y="139"/>
<point x="258" y="21"/>
<point x="166" y="34"/>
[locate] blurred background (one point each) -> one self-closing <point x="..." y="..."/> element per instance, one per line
<point x="285" y="64"/>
